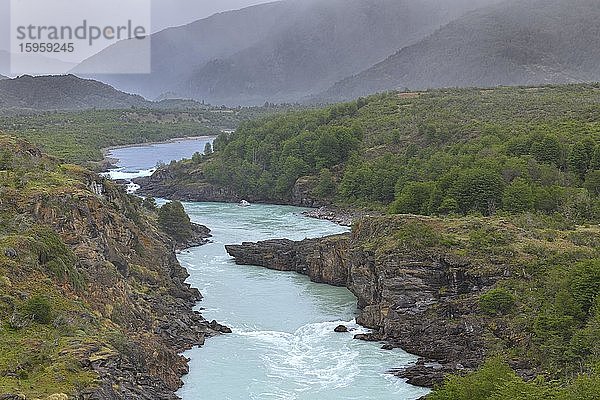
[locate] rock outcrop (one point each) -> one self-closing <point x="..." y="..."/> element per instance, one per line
<point x="422" y="301"/>
<point x="180" y="181"/>
<point x="124" y="312"/>
<point x="165" y="183"/>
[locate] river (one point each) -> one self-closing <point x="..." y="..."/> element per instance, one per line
<point x="283" y="345"/>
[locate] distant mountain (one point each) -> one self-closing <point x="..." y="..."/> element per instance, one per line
<point x="66" y="92"/>
<point x="517" y="42"/>
<point x="32" y="64"/>
<point x="276" y="52"/>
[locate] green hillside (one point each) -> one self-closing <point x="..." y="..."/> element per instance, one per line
<point x="438" y="152"/>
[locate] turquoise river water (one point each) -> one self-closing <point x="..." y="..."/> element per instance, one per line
<point x="283" y="345"/>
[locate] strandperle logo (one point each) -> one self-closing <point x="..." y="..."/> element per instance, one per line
<point x="85" y="32"/>
<point x="83" y="36"/>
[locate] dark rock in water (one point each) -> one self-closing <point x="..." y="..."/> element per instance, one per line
<point x="225" y="329"/>
<point x="11" y="253"/>
<point x="200" y="235"/>
<point x="425" y="374"/>
<point x="387" y="347"/>
<point x="215" y="326"/>
<point x="341" y="329"/>
<point x="303" y="257"/>
<point x="368" y="337"/>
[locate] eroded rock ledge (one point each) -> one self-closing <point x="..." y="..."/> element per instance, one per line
<point x="422" y="301"/>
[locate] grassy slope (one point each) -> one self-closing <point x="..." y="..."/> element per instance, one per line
<point x="89" y="311"/>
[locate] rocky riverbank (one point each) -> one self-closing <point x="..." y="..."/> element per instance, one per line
<point x="163" y="185"/>
<point x="419" y="298"/>
<point x="173" y="183"/>
<point x="340" y="216"/>
<point x="117" y="305"/>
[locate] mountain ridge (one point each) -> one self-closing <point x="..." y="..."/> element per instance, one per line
<point x="512" y="43"/>
<point x="63" y="92"/>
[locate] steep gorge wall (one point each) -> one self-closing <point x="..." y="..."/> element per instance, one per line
<point x="110" y="272"/>
<point x="425" y="303"/>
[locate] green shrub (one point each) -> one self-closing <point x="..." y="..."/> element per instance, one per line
<point x="495" y="380"/>
<point x="39" y="309"/>
<point x="174" y="221"/>
<point x="480" y="385"/>
<point x="149" y="203"/>
<point x="584" y="282"/>
<point x="496" y="301"/>
<point x="326" y="185"/>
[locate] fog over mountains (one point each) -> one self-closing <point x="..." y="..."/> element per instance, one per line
<point x="517" y="42"/>
<point x="334" y="50"/>
<point x="282" y="51"/>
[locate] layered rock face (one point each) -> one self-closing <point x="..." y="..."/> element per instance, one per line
<point x="185" y="182"/>
<point x="164" y="183"/>
<point x="424" y="302"/>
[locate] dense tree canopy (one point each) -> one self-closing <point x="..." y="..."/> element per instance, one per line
<point x="438" y="152"/>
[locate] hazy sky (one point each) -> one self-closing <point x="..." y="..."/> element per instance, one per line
<point x="165" y="13"/>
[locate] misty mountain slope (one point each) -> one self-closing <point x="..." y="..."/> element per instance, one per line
<point x="326" y="42"/>
<point x="522" y="42"/>
<point x="2" y="77"/>
<point x="279" y="51"/>
<point x="66" y="92"/>
<point x="175" y="52"/>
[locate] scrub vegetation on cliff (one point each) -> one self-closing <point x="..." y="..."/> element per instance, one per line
<point x="92" y="299"/>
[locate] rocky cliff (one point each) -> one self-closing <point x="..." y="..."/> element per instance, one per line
<point x="413" y="291"/>
<point x="90" y="286"/>
<point x="186" y="182"/>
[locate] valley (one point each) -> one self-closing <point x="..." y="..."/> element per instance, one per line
<point x="305" y="199"/>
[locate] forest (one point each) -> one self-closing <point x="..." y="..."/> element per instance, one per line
<point x="440" y="152"/>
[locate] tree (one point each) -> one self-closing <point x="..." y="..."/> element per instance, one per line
<point x="595" y="163"/>
<point x="518" y="196"/>
<point x="592" y="182"/>
<point x="580" y="157"/>
<point x="547" y="150"/>
<point x="326" y="185"/>
<point x="174" y="221"/>
<point x="292" y="169"/>
<point x="448" y="206"/>
<point x="414" y="198"/>
<point x="478" y="189"/>
<point x="208" y="149"/>
<point x="197" y="158"/>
